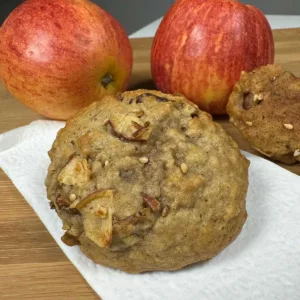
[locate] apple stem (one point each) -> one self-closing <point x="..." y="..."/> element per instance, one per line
<point x="106" y="80"/>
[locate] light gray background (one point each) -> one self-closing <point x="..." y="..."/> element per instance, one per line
<point x="134" y="14"/>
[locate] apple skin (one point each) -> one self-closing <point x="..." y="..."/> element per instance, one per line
<point x="57" y="56"/>
<point x="202" y="46"/>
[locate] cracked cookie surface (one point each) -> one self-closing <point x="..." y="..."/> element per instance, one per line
<point x="265" y="107"/>
<point x="146" y="181"/>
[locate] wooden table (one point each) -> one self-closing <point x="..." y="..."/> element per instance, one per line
<point x="32" y="266"/>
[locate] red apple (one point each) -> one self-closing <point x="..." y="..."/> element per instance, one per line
<point x="202" y="46"/>
<point x="57" y="56"/>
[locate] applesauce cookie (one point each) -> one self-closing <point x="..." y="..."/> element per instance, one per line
<point x="265" y="107"/>
<point x="146" y="181"/>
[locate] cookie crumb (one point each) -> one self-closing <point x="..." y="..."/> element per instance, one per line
<point x="184" y="168"/>
<point x="288" y="126"/>
<point x="144" y="160"/>
<point x="66" y="226"/>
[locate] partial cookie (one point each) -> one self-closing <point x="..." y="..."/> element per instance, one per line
<point x="265" y="107"/>
<point x="146" y="181"/>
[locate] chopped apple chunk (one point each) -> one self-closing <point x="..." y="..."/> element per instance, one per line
<point x="98" y="229"/>
<point x="103" y="196"/>
<point x="96" y="210"/>
<point x="75" y="172"/>
<point x="130" y="127"/>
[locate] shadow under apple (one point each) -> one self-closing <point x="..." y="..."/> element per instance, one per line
<point x="144" y="84"/>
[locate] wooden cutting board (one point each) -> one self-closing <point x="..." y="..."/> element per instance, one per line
<point x="32" y="266"/>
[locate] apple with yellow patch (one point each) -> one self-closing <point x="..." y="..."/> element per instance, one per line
<point x="57" y="56"/>
<point x="202" y="46"/>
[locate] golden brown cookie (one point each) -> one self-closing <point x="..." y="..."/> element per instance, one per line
<point x="146" y="181"/>
<point x="265" y="107"/>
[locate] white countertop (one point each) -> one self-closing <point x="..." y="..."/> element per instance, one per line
<point x="276" y="22"/>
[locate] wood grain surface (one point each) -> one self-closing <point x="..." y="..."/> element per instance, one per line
<point x="32" y="266"/>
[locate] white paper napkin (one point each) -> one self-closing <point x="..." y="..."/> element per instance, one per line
<point x="263" y="262"/>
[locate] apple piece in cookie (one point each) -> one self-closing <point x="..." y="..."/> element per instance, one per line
<point x="130" y="127"/>
<point x="96" y="210"/>
<point x="76" y="172"/>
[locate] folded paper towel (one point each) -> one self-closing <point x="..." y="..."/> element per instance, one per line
<point x="262" y="263"/>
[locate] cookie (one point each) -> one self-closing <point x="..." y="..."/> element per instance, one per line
<point x="146" y="181"/>
<point x="265" y="107"/>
